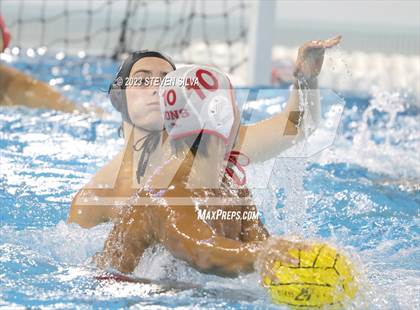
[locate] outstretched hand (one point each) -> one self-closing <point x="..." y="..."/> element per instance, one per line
<point x="277" y="249"/>
<point x="311" y="56"/>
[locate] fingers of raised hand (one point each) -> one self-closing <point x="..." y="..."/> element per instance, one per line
<point x="332" y="42"/>
<point x="320" y="44"/>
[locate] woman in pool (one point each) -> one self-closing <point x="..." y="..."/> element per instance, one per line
<point x="113" y="185"/>
<point x="202" y="127"/>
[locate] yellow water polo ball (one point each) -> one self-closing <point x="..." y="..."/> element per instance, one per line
<point x="323" y="278"/>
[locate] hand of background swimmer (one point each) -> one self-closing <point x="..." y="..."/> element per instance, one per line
<point x="277" y="249"/>
<point x="311" y="56"/>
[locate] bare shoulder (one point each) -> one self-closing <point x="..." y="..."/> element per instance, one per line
<point x="86" y="214"/>
<point x="106" y="177"/>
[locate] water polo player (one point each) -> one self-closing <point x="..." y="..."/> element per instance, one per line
<point x="202" y="122"/>
<point x="202" y="127"/>
<point x="18" y="88"/>
<point x="142" y="128"/>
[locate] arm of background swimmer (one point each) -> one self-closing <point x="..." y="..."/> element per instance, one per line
<point x="17" y="88"/>
<point x="268" y="138"/>
<point x="20" y="89"/>
<point x="193" y="241"/>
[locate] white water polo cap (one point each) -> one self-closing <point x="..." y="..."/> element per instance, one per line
<point x="196" y="99"/>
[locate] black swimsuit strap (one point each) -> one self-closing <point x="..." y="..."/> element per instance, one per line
<point x="149" y="145"/>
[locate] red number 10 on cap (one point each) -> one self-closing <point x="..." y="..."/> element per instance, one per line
<point x="200" y="76"/>
<point x="170" y="95"/>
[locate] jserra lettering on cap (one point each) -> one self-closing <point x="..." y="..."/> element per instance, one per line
<point x="197" y="99"/>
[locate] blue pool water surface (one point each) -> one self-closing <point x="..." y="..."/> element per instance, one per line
<point x="366" y="188"/>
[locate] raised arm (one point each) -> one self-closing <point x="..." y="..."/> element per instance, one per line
<point x="266" y="139"/>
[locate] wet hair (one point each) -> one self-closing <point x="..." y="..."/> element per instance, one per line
<point x="116" y="88"/>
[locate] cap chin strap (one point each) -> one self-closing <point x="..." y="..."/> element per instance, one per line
<point x="151" y="141"/>
<point x="149" y="145"/>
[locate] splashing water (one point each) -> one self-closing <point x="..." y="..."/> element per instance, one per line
<point x="295" y="218"/>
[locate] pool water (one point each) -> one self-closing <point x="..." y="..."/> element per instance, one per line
<point x="366" y="190"/>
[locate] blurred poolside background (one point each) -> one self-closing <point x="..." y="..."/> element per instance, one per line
<point x="381" y="39"/>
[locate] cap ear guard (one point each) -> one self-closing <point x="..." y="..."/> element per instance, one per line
<point x="115" y="92"/>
